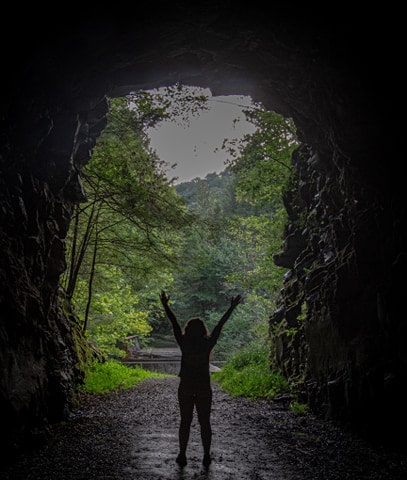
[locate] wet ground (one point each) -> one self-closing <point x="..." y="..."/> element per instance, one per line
<point x="133" y="435"/>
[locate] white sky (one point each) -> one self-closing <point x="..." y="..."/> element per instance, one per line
<point x="193" y="147"/>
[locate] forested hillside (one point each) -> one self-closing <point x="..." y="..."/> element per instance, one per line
<point x="227" y="251"/>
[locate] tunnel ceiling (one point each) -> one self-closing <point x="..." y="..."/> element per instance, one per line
<point x="317" y="67"/>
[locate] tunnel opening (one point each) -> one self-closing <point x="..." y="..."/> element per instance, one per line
<point x="353" y="223"/>
<point x="115" y="261"/>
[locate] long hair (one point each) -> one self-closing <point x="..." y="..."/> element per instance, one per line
<point x="195" y="327"/>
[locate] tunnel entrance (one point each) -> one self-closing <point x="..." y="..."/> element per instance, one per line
<point x="204" y="240"/>
<point x="344" y="238"/>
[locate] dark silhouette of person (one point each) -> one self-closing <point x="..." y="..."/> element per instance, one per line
<point x="194" y="389"/>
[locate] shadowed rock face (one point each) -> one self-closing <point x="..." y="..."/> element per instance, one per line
<point x="344" y="241"/>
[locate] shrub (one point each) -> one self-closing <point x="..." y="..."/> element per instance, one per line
<point x="248" y="374"/>
<point x="299" y="409"/>
<point x="112" y="375"/>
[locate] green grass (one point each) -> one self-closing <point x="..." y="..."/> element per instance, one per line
<point x="248" y="374"/>
<point x="299" y="409"/>
<point x="112" y="375"/>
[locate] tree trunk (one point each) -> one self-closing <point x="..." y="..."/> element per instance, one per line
<point x="76" y="262"/>
<point x="92" y="273"/>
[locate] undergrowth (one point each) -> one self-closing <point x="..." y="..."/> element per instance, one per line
<point x="248" y="374"/>
<point x="112" y="375"/>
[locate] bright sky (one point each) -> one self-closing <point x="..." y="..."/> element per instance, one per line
<point x="196" y="149"/>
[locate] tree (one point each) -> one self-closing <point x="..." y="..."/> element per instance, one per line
<point x="262" y="160"/>
<point x="129" y="225"/>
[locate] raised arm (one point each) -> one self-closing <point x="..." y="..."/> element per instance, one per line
<point x="233" y="304"/>
<point x="170" y="314"/>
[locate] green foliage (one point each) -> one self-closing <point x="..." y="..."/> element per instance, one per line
<point x="176" y="103"/>
<point x="230" y="251"/>
<point x="112" y="375"/>
<point x="86" y="352"/>
<point x="116" y="311"/>
<point x="258" y="238"/>
<point x="249" y="323"/>
<point x="299" y="409"/>
<point x="262" y="160"/>
<point x="124" y="238"/>
<point x="248" y="374"/>
<point x="241" y="221"/>
<point x="127" y="177"/>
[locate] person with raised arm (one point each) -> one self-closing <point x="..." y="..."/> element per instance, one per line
<point x="196" y="344"/>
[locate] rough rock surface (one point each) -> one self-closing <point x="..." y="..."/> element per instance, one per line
<point x="337" y="328"/>
<point x="133" y="435"/>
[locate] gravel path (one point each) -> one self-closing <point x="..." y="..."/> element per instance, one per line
<point x="133" y="435"/>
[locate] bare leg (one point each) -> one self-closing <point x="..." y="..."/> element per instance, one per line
<point x="203" y="407"/>
<point x="186" y="404"/>
<point x="183" y="434"/>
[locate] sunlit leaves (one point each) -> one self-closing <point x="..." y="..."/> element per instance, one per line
<point x="116" y="312"/>
<point x="258" y="237"/>
<point x="262" y="161"/>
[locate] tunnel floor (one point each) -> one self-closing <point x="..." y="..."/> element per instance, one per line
<point x="133" y="435"/>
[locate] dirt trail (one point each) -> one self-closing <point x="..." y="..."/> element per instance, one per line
<point x="133" y="435"/>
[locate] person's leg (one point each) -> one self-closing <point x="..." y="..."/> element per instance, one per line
<point x="186" y="404"/>
<point x="203" y="407"/>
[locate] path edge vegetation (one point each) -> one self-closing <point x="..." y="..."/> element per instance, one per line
<point x="113" y="376"/>
<point x="246" y="375"/>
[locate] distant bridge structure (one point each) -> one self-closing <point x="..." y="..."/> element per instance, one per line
<point x="163" y="360"/>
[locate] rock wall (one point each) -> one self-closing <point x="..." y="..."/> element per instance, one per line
<point x="41" y="153"/>
<point x="338" y="329"/>
<point x="344" y="244"/>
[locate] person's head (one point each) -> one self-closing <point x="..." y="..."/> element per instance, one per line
<point x="195" y="327"/>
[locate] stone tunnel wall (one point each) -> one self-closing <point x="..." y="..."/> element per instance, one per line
<point x="343" y="244"/>
<point x="337" y="329"/>
<point x="39" y="186"/>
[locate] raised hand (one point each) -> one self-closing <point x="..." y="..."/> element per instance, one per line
<point x="235" y="301"/>
<point x="164" y="298"/>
